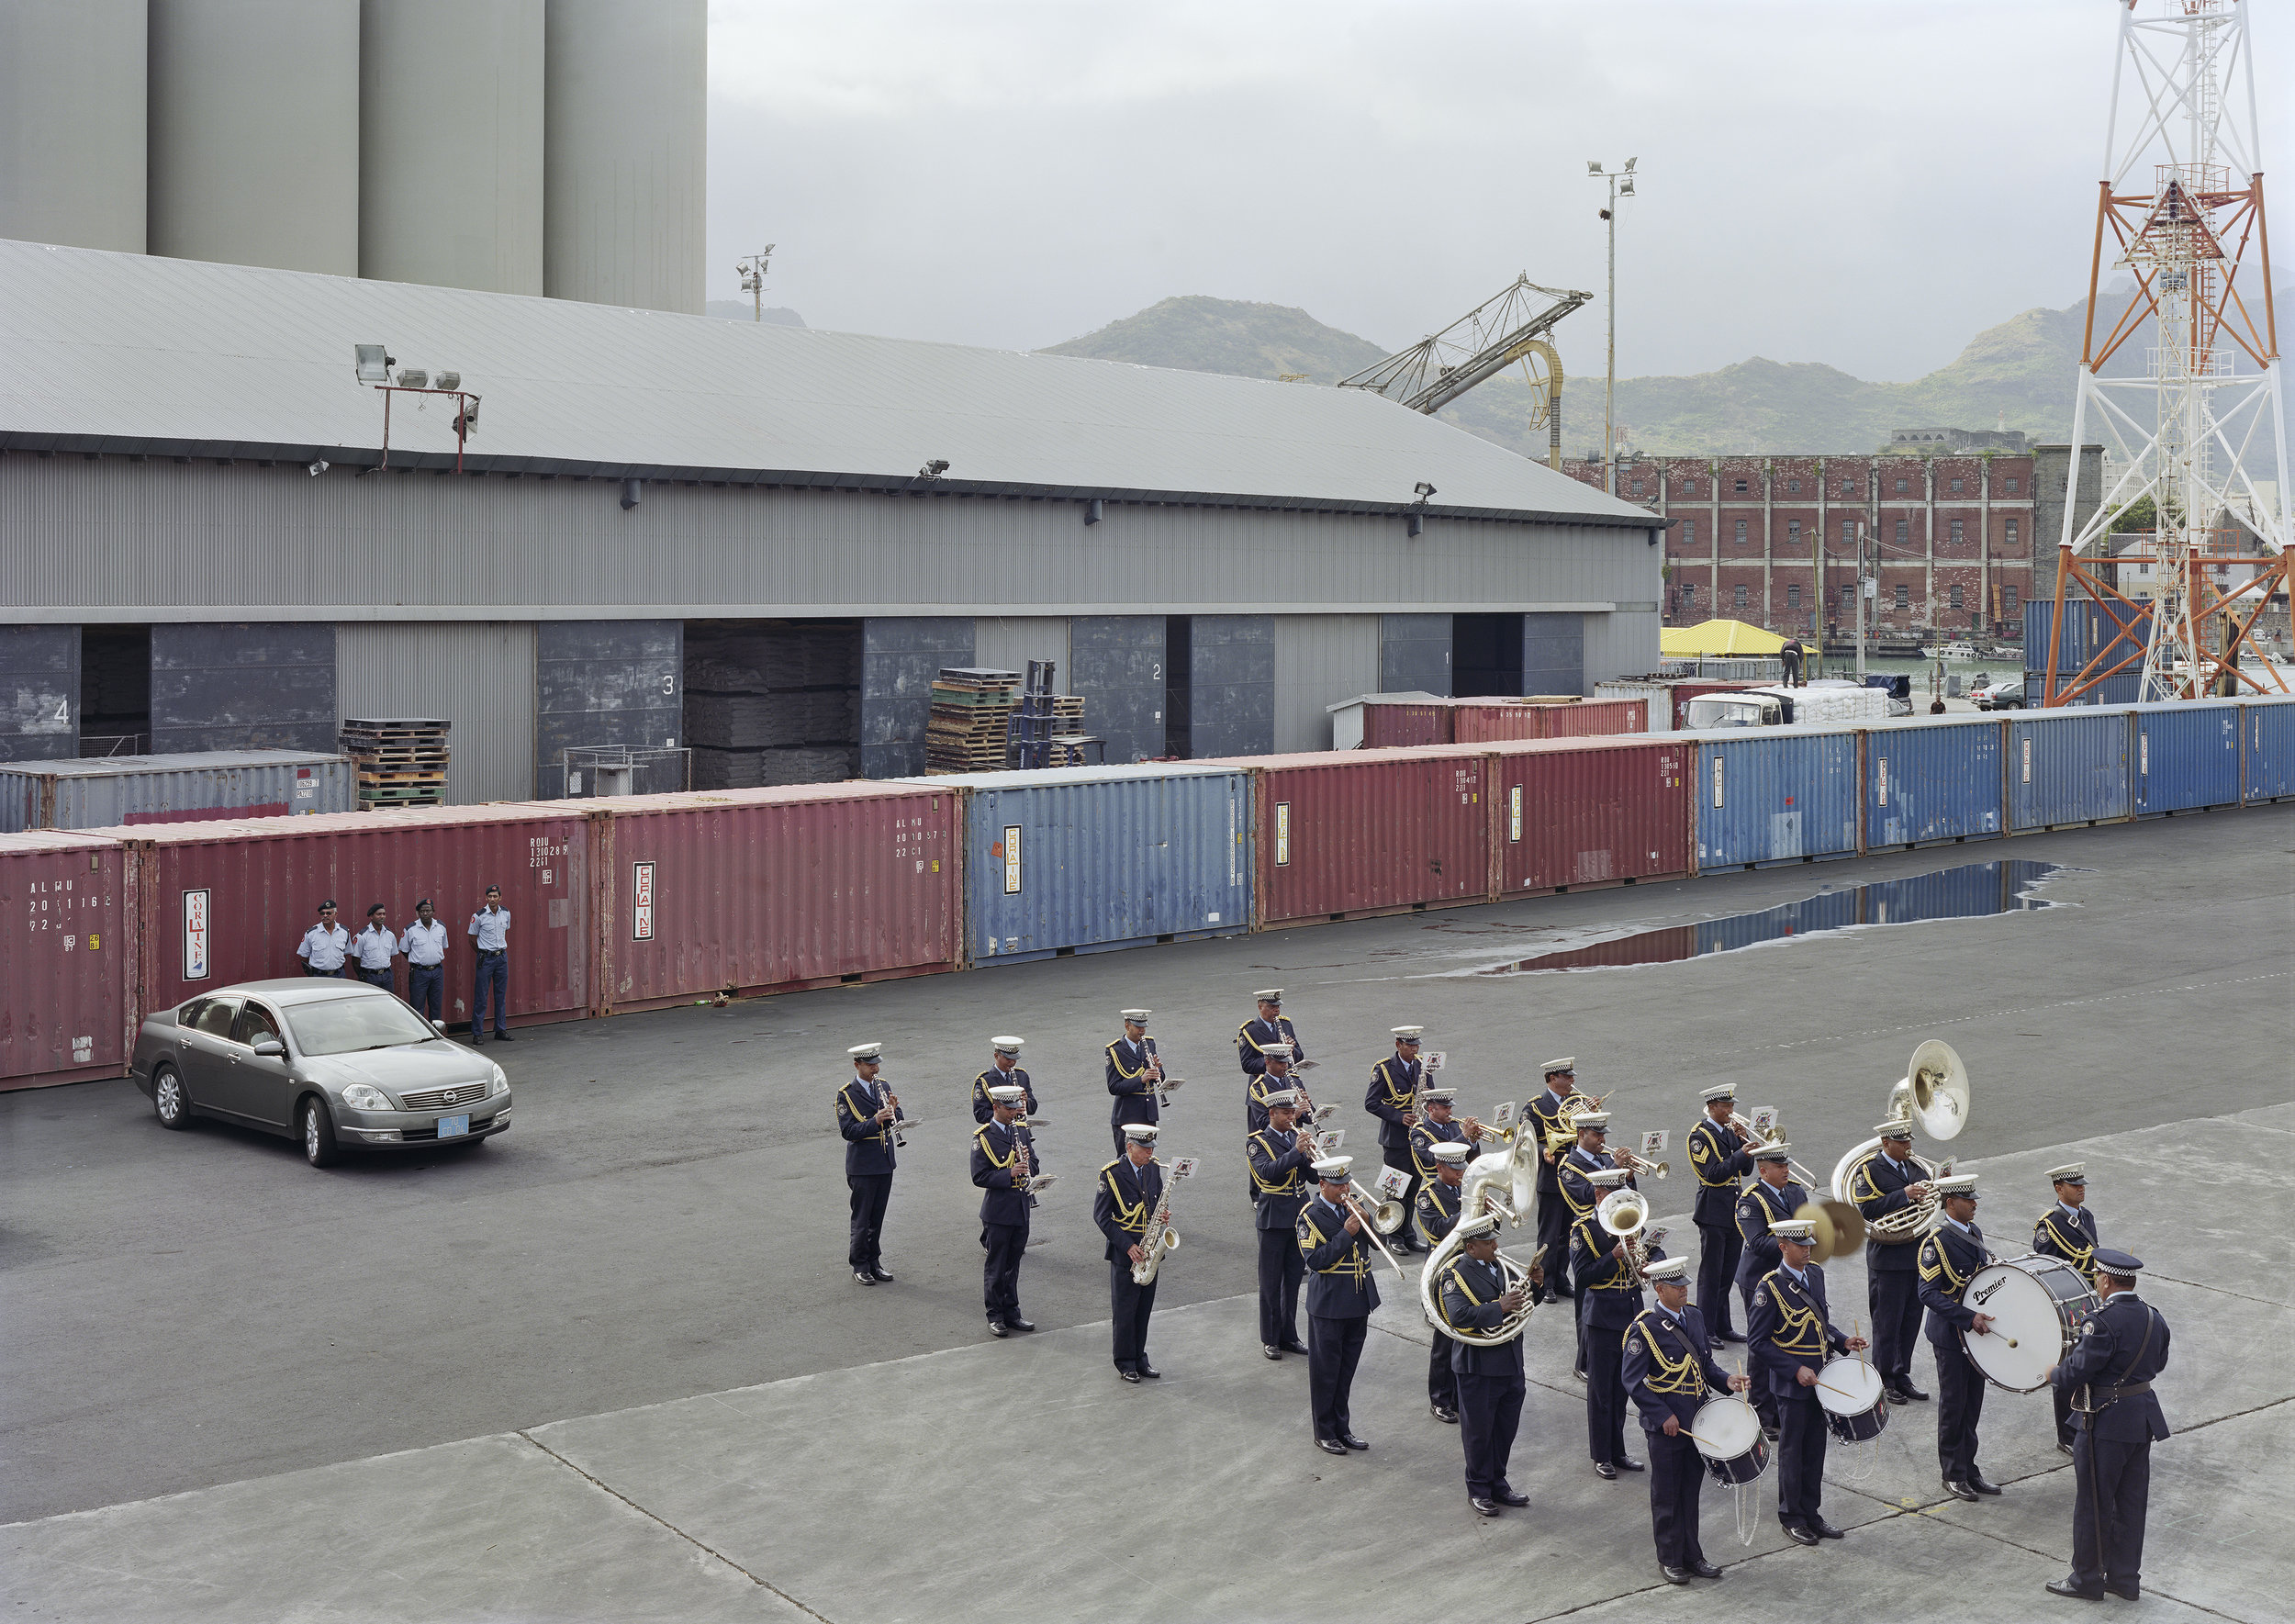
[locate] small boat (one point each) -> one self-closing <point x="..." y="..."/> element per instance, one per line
<point x="1959" y="652"/>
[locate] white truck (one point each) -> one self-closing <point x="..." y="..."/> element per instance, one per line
<point x="1823" y="701"/>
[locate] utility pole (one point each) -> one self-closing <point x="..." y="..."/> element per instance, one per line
<point x="753" y="278"/>
<point x="1860" y="603"/>
<point x="1621" y="184"/>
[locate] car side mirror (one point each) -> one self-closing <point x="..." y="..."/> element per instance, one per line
<point x="270" y="1048"/>
<point x="442" y="1027"/>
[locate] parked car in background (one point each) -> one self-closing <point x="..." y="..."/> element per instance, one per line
<point x="336" y="1064"/>
<point x="2000" y="693"/>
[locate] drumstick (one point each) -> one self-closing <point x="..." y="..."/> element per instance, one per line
<point x="1856" y="1329"/>
<point x="1829" y="1387"/>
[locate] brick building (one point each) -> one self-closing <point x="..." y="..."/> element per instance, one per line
<point x="1951" y="539"/>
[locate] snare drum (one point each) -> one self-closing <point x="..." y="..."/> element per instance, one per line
<point x="1729" y="1437"/>
<point x="2037" y="1302"/>
<point x="1850" y="1392"/>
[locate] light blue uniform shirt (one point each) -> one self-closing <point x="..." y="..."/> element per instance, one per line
<point x="424" y="944"/>
<point x="376" y="948"/>
<point x="491" y="930"/>
<point x="323" y="945"/>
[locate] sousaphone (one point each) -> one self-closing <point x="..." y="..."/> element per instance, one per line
<point x="1933" y="1097"/>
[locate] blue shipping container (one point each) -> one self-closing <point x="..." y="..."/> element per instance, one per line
<point x="2067" y="768"/>
<point x="2187" y="756"/>
<point x="2088" y="628"/>
<point x="1931" y="781"/>
<point x="2267" y="752"/>
<point x="1086" y="859"/>
<point x="1773" y="795"/>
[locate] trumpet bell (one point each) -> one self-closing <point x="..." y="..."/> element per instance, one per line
<point x="1623" y="1213"/>
<point x="1934" y="1091"/>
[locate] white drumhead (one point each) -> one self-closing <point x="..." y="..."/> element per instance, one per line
<point x="1848" y="1387"/>
<point x="2020" y="1307"/>
<point x="1726" y="1427"/>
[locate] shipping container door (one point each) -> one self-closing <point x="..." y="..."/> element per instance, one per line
<point x="1592" y="814"/>
<point x="66" y="969"/>
<point x="2069" y="767"/>
<point x="2267" y="750"/>
<point x="1926" y="783"/>
<point x="2186" y="757"/>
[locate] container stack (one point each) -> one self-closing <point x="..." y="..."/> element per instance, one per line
<point x="971" y="721"/>
<point x="775" y="706"/>
<point x="400" y="761"/>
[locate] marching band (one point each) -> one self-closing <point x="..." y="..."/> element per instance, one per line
<point x="1451" y="1186"/>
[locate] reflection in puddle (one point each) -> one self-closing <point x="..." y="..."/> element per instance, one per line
<point x="1973" y="890"/>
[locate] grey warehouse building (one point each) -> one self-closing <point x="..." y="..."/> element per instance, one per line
<point x="203" y="546"/>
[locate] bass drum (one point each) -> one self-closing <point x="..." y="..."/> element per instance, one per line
<point x="2037" y="1305"/>
<point x="1849" y="1390"/>
<point x="1728" y="1434"/>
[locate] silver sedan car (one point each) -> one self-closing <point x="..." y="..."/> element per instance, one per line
<point x="339" y="1065"/>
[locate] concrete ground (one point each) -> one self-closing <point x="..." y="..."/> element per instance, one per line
<point x="238" y="1388"/>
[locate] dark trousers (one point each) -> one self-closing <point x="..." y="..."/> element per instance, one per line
<point x="2112" y="1492"/>
<point x="1334" y="1347"/>
<point x="1282" y="1268"/>
<point x="493" y="974"/>
<point x="377" y="978"/>
<point x="1130" y="1304"/>
<point x="1894" y="1296"/>
<point x="426" y="990"/>
<point x="2065" y="1433"/>
<point x="1765" y="1402"/>
<point x="1006" y="1244"/>
<point x="1398" y="1157"/>
<point x="1490" y="1409"/>
<point x="1604" y="1392"/>
<point x="1800" y="1458"/>
<point x="871" y="1191"/>
<point x="1442" y="1383"/>
<point x="1719" y="1247"/>
<point x="1554" y="1235"/>
<point x="1676" y="1474"/>
<point x="1959" y="1407"/>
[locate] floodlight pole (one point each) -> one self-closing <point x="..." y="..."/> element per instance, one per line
<point x="1609" y="387"/>
<point x="753" y="279"/>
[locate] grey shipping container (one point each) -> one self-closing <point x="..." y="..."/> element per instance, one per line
<point x="124" y="791"/>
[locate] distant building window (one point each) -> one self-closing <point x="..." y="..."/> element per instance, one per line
<point x="2011" y="533"/>
<point x="1689" y="595"/>
<point x="1904" y="596"/>
<point x="1956" y="603"/>
<point x="1741" y="533"/>
<point x="1637" y="487"/>
<point x="2010" y="485"/>
<point x="1849" y="599"/>
<point x="1740" y="597"/>
<point x="1900" y="487"/>
<point x="1956" y="488"/>
<point x="1689" y="532"/>
<point x="1848" y="487"/>
<point x="1741" y="488"/>
<point x="1792" y="598"/>
<point x="2007" y="599"/>
<point x="1792" y="484"/>
<point x="1793" y="532"/>
<point x="1847" y="532"/>
<point x="1904" y="532"/>
<point x="1956" y="532"/>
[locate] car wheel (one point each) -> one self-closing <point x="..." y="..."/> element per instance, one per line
<point x="319" y="1135"/>
<point x="170" y="1103"/>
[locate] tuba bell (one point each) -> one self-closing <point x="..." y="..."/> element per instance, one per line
<point x="1933" y="1097"/>
<point x="1623" y="1213"/>
<point x="1505" y="1181"/>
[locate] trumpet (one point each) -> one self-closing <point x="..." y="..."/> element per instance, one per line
<point x="1383" y="1218"/>
<point x="1636" y="1164"/>
<point x="1754" y="1139"/>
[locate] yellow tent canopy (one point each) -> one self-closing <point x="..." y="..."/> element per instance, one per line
<point x="1719" y="637"/>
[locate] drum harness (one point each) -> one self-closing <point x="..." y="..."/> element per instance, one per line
<point x="1675" y="1376"/>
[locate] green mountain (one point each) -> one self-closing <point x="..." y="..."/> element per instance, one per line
<point x="1198" y="333"/>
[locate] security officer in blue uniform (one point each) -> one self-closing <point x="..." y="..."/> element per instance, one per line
<point x="2067" y="1230"/>
<point x="1669" y="1372"/>
<point x="1791" y="1333"/>
<point x="1003" y="1161"/>
<point x="1948" y="1258"/>
<point x="867" y="1115"/>
<point x="1394" y="1082"/>
<point x="1134" y="1071"/>
<point x="1609" y="1296"/>
<point x="2121" y="1346"/>
<point x="1251" y="1039"/>
<point x="1122" y="1205"/>
<point x="1433" y="1216"/>
<point x="1474" y="1296"/>
<point x="1887" y="1181"/>
<point x="1340" y="1296"/>
<point x="1718" y="1157"/>
<point x="1574" y="1171"/>
<point x="1003" y="1069"/>
<point x="1280" y="1156"/>
<point x="1773" y="1196"/>
<point x="1553" y="1213"/>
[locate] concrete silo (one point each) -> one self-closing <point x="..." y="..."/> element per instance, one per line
<point x="451" y="143"/>
<point x="72" y="122"/>
<point x="625" y="155"/>
<point x="254" y="133"/>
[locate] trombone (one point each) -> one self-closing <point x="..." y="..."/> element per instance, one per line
<point x="1755" y="1139"/>
<point x="1381" y="1218"/>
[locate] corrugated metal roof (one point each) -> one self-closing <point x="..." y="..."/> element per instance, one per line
<point x="126" y="352"/>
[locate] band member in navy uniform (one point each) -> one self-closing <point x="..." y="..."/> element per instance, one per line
<point x="1394" y="1083"/>
<point x="1669" y="1372"/>
<point x="1003" y="1161"/>
<point x="1609" y="1296"/>
<point x="1003" y="1069"/>
<point x="1771" y="1197"/>
<point x="1573" y="1171"/>
<point x="1268" y="1026"/>
<point x="1887" y="1181"/>
<point x="1554" y="1215"/>
<point x="1274" y="1077"/>
<point x="2121" y="1346"/>
<point x="1433" y="1216"/>
<point x="2067" y="1230"/>
<point x="866" y="1113"/>
<point x="1954" y="1252"/>
<point x="1280" y="1157"/>
<point x="1791" y="1333"/>
<point x="1129" y="1188"/>
<point x="1476" y="1297"/>
<point x="1335" y="1239"/>
<point x="1718" y="1157"/>
<point x="1438" y="1126"/>
<point x="1134" y="1070"/>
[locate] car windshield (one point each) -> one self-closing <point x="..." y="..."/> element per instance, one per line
<point x="345" y="1025"/>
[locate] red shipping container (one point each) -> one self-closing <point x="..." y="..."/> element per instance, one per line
<point x="1346" y="833"/>
<point x="1590" y="719"/>
<point x="67" y="958"/>
<point x="1487" y="722"/>
<point x="1385" y="727"/>
<point x="230" y="901"/>
<point x="1569" y="814"/>
<point x="757" y="891"/>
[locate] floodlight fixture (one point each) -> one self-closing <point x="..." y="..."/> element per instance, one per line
<point x="448" y="381"/>
<point x="1630" y="165"/>
<point x="374" y="363"/>
<point x="414" y="377"/>
<point x="1625" y="187"/>
<point x="316" y="469"/>
<point x="933" y="469"/>
<point x="1424" y="489"/>
<point x="1593" y="166"/>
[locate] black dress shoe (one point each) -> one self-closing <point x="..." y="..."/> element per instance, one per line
<point x="1271" y="1351"/>
<point x="1706" y="1570"/>
<point x="1506" y="1496"/>
<point x="2066" y="1587"/>
<point x="1914" y="1394"/>
<point x="1577" y="1375"/>
<point x="1603" y="1469"/>
<point x="2063" y="1447"/>
<point x="1770" y="1433"/>
<point x="1018" y="1324"/>
<point x="1487" y="1507"/>
<point x="996" y="1328"/>
<point x="1624" y="1463"/>
<point x="504" y="1038"/>
<point x="1148" y="1370"/>
<point x="1799" y="1535"/>
<point x="2125" y="1592"/>
<point x="1959" y="1491"/>
<point x="1725" y="1337"/>
<point x="1351" y="1441"/>
<point x="1895" y="1397"/>
<point x="1447" y="1416"/>
<point x="1330" y="1445"/>
<point x="1676" y="1575"/>
<point x="1131" y="1376"/>
<point x="1976" y="1481"/>
<point x="1292" y="1346"/>
<point x="878" y="1270"/>
<point x="1825" y="1530"/>
<point x="864" y="1277"/>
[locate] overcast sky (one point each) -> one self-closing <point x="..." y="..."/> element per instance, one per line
<point x="1846" y="181"/>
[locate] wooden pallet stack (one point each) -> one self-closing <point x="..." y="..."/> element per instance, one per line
<point x="972" y="716"/>
<point x="1067" y="721"/>
<point x="400" y="761"/>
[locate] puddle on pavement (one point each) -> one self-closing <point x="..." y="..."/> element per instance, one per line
<point x="1972" y="891"/>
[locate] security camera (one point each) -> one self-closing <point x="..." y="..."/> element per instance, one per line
<point x="316" y="469"/>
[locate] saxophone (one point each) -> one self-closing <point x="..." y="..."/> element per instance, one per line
<point x="1159" y="1237"/>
